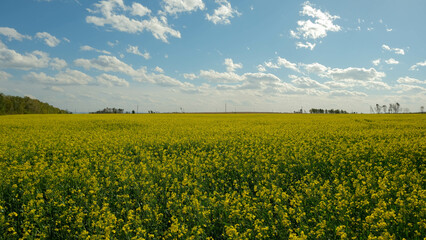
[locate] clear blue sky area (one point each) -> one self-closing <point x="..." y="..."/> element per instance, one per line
<point x="198" y="55"/>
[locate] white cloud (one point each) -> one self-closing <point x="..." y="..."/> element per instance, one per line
<point x="107" y="8"/>
<point x="391" y="61"/>
<point x="306" y="45"/>
<point x="409" y="80"/>
<point x="346" y="93"/>
<point x="112" y="44"/>
<point x="105" y="63"/>
<point x="417" y="65"/>
<point x="316" y="68"/>
<point x="113" y="64"/>
<point x="11" y="59"/>
<point x="67" y="77"/>
<point x="4" y="75"/>
<point x="57" y="63"/>
<point x="12" y="34"/>
<point x="282" y="62"/>
<point x="261" y="68"/>
<point x="231" y="66"/>
<point x="306" y="82"/>
<point x="89" y="48"/>
<point x="223" y="13"/>
<point x="225" y="77"/>
<point x="135" y="50"/>
<point x="361" y="74"/>
<point x="413" y="89"/>
<point x="323" y="23"/>
<point x="376" y="62"/>
<point x="158" y="69"/>
<point x="395" y="50"/>
<point x="190" y="76"/>
<point x="140" y="10"/>
<point x="178" y="6"/>
<point x="55" y="89"/>
<point x="111" y="80"/>
<point x="50" y="40"/>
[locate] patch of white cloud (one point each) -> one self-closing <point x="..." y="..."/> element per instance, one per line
<point x="113" y="64"/>
<point x="409" y="80"/>
<point x="12" y="34"/>
<point x="179" y="6"/>
<point x="113" y="13"/>
<point x="220" y="77"/>
<point x="111" y="80"/>
<point x="231" y="66"/>
<point x="417" y="65"/>
<point x="223" y="13"/>
<point x="190" y="76"/>
<point x="398" y="51"/>
<point x="261" y="68"/>
<point x="391" y="61"/>
<point x="306" y="45"/>
<point x="158" y="69"/>
<point x="346" y="93"/>
<point x="282" y="62"/>
<point x="376" y="62"/>
<point x="55" y="89"/>
<point x="139" y="10"/>
<point x="11" y="59"/>
<point x="67" y="77"/>
<point x="89" y="48"/>
<point x="58" y="64"/>
<point x="410" y="89"/>
<point x="49" y="40"/>
<point x="135" y="50"/>
<point x="4" y="76"/>
<point x="306" y="82"/>
<point x="323" y="22"/>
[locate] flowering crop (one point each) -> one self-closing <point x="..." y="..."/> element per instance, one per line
<point x="200" y="176"/>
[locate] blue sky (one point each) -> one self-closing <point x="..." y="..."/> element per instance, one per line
<point x="198" y="55"/>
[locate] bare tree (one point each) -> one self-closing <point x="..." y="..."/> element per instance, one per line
<point x="378" y="108"/>
<point x="384" y="108"/>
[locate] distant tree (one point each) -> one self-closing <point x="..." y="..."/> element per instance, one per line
<point x="422" y="108"/>
<point x="133" y="111"/>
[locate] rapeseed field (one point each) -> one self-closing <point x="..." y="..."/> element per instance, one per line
<point x="233" y="176"/>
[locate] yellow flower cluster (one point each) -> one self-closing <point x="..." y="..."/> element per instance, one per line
<point x="197" y="176"/>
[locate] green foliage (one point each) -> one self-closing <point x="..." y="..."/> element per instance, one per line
<point x="18" y="105"/>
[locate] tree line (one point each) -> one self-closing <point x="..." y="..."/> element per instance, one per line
<point x="327" y="111"/>
<point x="26" y="105"/>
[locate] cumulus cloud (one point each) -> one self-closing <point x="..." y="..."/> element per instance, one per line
<point x="282" y="62"/>
<point x="4" y="76"/>
<point x="190" y="76"/>
<point x="50" y="40"/>
<point x="346" y="93"/>
<point x="322" y="24"/>
<point x="376" y="62"/>
<point x="261" y="68"/>
<point x="55" y="89"/>
<point x="352" y="73"/>
<point x="135" y="50"/>
<point x="11" y="59"/>
<point x="111" y="80"/>
<point x="89" y="48"/>
<point x="231" y="66"/>
<point x="223" y="13"/>
<point x="12" y="34"/>
<point x="417" y="65"/>
<point x="413" y="89"/>
<point x="306" y="45"/>
<point x="67" y="77"/>
<point x="395" y="50"/>
<point x="113" y="64"/>
<point x="58" y="64"/>
<point x="391" y="61"/>
<point x="316" y="68"/>
<point x="409" y="80"/>
<point x="306" y="82"/>
<point x="178" y="6"/>
<point x="220" y="77"/>
<point x="158" y="69"/>
<point x="139" y="10"/>
<point x="119" y="21"/>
